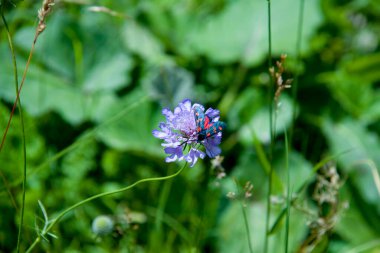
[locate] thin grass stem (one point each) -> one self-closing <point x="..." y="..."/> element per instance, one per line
<point x="288" y="194"/>
<point x="14" y="62"/>
<point x="271" y="128"/>
<point x="298" y="60"/>
<point x="245" y="216"/>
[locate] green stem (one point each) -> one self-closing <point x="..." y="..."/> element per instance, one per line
<point x="271" y="128"/>
<point x="63" y="213"/>
<point x="247" y="228"/>
<point x="19" y="237"/>
<point x="288" y="197"/>
<point x="298" y="59"/>
<point x="245" y="216"/>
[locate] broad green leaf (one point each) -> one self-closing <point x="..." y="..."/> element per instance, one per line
<point x="239" y="32"/>
<point x="54" y="47"/>
<point x="141" y="41"/>
<point x="132" y="130"/>
<point x="109" y="74"/>
<point x="353" y="93"/>
<point x="170" y="85"/>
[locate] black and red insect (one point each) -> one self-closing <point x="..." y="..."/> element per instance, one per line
<point x="205" y="126"/>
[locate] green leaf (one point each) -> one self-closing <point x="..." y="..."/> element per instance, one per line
<point x="239" y="32"/>
<point x="170" y="85"/>
<point x="366" y="67"/>
<point x="363" y="148"/>
<point x="142" y="42"/>
<point x="77" y="163"/>
<point x="354" y="94"/>
<point x="132" y="131"/>
<point x="109" y="74"/>
<point x="54" y="48"/>
<point x="244" y="107"/>
<point x="232" y="236"/>
<point x="259" y="123"/>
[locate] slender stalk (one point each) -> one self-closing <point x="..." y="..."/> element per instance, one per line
<point x="298" y="60"/>
<point x="288" y="197"/>
<point x="271" y="128"/>
<point x="97" y="196"/>
<point x="42" y="13"/>
<point x="22" y="211"/>
<point x="19" y="91"/>
<point x="245" y="216"/>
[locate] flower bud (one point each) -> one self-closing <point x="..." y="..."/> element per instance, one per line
<point x="102" y="225"/>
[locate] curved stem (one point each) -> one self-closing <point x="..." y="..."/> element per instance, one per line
<point x="97" y="196"/>
<point x="19" y="237"/>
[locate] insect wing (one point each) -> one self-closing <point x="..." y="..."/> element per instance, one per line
<point x="199" y="119"/>
<point x="205" y="127"/>
<point x="215" y="128"/>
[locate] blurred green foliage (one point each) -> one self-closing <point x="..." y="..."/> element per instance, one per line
<point x="95" y="89"/>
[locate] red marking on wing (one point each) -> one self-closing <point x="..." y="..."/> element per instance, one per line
<point x="207" y="123"/>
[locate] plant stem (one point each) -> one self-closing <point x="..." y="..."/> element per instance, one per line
<point x="10" y="42"/>
<point x="271" y="127"/>
<point x="288" y="197"/>
<point x="97" y="196"/>
<point x="298" y="59"/>
<point x="245" y="216"/>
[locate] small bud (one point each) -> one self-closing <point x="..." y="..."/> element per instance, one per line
<point x="102" y="225"/>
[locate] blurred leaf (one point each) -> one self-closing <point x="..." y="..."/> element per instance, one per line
<point x="366" y="67"/>
<point x="244" y="108"/>
<point x="372" y="114"/>
<point x="233" y="237"/>
<point x="109" y="74"/>
<point x="11" y="155"/>
<point x="248" y="169"/>
<point x="363" y="146"/>
<point x="353" y="218"/>
<point x="259" y="123"/>
<point x="77" y="163"/>
<point x="353" y="93"/>
<point x="54" y="47"/>
<point x="170" y="85"/>
<point x="239" y="33"/>
<point x="44" y="92"/>
<point x="142" y="42"/>
<point x="133" y="131"/>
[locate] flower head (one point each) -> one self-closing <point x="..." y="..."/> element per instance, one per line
<point x="189" y="126"/>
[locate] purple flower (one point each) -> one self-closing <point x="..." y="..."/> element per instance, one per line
<point x="180" y="137"/>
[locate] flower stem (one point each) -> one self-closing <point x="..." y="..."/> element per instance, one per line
<point x="271" y="127"/>
<point x="298" y="60"/>
<point x="245" y="216"/>
<point x="19" y="237"/>
<point x="288" y="197"/>
<point x="63" y="213"/>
